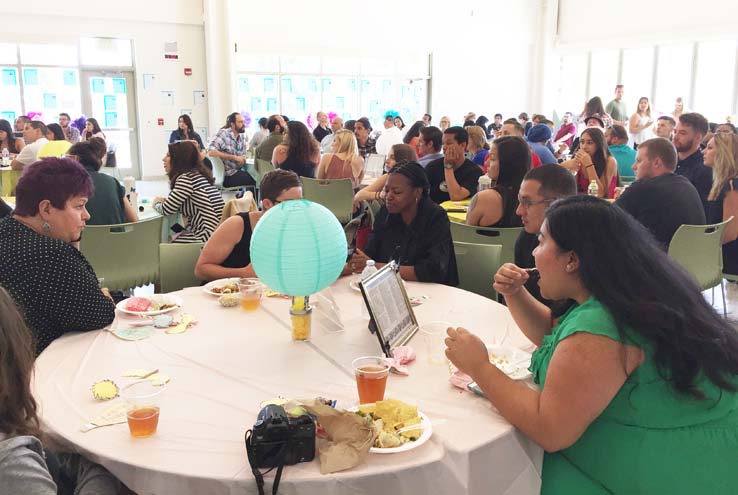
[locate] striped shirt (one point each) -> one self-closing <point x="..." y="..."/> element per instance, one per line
<point x="199" y="201"/>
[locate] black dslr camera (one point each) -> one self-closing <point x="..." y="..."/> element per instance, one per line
<point x="277" y="440"/>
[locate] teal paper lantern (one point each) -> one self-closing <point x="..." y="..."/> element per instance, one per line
<point x="298" y="248"/>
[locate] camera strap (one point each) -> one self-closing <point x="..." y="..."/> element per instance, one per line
<point x="258" y="475"/>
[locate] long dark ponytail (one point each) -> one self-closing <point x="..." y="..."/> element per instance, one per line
<point x="647" y="292"/>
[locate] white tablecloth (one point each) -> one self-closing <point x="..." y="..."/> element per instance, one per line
<point x="226" y="365"/>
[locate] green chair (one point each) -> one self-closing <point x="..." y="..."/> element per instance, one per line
<point x="485" y="235"/>
<point x="335" y="194"/>
<point x="477" y="264"/>
<point x="699" y="250"/>
<point x="125" y="255"/>
<point x="626" y="180"/>
<point x="219" y="175"/>
<point x="262" y="167"/>
<point x="177" y="266"/>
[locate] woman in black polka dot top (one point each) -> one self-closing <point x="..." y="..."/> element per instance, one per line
<point x="52" y="283"/>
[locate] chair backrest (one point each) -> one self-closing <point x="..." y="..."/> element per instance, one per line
<point x="218" y="170"/>
<point x="177" y="266"/>
<point x="484" y="235"/>
<point x="699" y="250"/>
<point x="477" y="265"/>
<point x="125" y="255"/>
<point x="335" y="194"/>
<point x="374" y="165"/>
<point x="262" y="167"/>
<point x="238" y="205"/>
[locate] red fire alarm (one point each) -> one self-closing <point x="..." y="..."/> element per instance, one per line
<point x="188" y="71"/>
<point x="160" y="121"/>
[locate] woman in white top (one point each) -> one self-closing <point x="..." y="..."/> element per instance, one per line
<point x="640" y="122"/>
<point x="345" y="161"/>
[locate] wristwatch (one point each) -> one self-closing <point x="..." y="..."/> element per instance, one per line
<point x="448" y="165"/>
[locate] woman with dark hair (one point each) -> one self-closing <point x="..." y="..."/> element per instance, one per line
<point x="638" y="378"/>
<point x="8" y="140"/>
<point x="508" y="163"/>
<point x="412" y="135"/>
<point x="54" y="132"/>
<point x="92" y="129"/>
<point x="109" y="205"/>
<point x="411" y="229"/>
<point x="482" y="122"/>
<point x="375" y="190"/>
<point x="595" y="108"/>
<point x="185" y="132"/>
<point x="193" y="193"/>
<point x="227" y="253"/>
<point x="594" y="162"/>
<point x="41" y="267"/>
<point x="25" y="466"/>
<point x="300" y="152"/>
<point x="399" y="123"/>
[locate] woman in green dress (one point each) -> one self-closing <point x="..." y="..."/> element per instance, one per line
<point x="637" y="380"/>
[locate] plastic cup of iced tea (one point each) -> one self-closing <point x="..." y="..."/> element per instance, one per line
<point x="250" y="290"/>
<point x="371" y="377"/>
<point x="143" y="400"/>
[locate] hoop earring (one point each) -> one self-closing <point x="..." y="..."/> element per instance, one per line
<point x="46" y="227"/>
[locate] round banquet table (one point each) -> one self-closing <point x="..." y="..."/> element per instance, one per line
<point x="222" y="368"/>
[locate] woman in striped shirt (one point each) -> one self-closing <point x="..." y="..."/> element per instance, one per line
<point x="193" y="193"/>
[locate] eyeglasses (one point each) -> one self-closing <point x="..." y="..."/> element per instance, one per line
<point x="527" y="203"/>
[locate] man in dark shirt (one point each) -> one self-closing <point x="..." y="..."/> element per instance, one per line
<point x="367" y="145"/>
<point x="661" y="200"/>
<point x="322" y="130"/>
<point x="688" y="136"/>
<point x="540" y="187"/>
<point x="453" y="177"/>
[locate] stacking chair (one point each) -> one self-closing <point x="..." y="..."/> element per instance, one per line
<point x="699" y="250"/>
<point x="485" y="235"/>
<point x="477" y="265"/>
<point x="177" y="266"/>
<point x="335" y="194"/>
<point x="262" y="167"/>
<point x="125" y="255"/>
<point x="219" y="175"/>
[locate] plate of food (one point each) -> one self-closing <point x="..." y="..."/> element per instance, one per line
<point x="511" y="361"/>
<point x="392" y="415"/>
<point x="149" y="305"/>
<point x="221" y="286"/>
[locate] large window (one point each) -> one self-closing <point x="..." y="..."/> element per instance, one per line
<point x="300" y="86"/>
<point x="50" y="90"/>
<point x="637" y="75"/>
<point x="673" y="76"/>
<point x="663" y="73"/>
<point x="714" y="85"/>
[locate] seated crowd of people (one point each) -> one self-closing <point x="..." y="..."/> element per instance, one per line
<point x="633" y="365"/>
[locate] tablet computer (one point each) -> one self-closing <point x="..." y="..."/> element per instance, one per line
<point x="389" y="308"/>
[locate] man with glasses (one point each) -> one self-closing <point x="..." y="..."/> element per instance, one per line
<point x="540" y="187"/>
<point x="71" y="133"/>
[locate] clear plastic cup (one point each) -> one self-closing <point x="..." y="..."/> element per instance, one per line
<point x="433" y="336"/>
<point x="144" y="401"/>
<point x="371" y="377"/>
<point x="250" y="291"/>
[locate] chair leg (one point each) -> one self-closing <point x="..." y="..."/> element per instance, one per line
<point x="722" y="289"/>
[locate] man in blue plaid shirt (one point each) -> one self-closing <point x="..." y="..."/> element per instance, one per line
<point x="229" y="145"/>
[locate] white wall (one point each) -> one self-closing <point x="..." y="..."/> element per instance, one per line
<point x="583" y="23"/>
<point x="149" y="24"/>
<point x="486" y="61"/>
